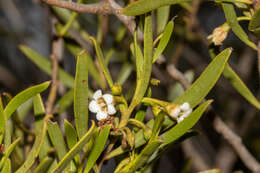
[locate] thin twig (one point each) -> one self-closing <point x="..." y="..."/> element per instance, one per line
<point x="176" y="74"/>
<point x="53" y="90"/>
<point x="237" y="144"/>
<point x="96" y="8"/>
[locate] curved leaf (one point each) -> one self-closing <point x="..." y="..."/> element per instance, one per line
<point x="254" y="24"/>
<point x="164" y="40"/>
<point x="23" y="97"/>
<point x="144" y="6"/>
<point x="99" y="145"/>
<point x="44" y="165"/>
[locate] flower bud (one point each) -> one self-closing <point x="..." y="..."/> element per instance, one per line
<point x="116" y="89"/>
<point x="219" y="34"/>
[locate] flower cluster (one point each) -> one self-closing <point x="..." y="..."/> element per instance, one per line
<point x="102" y="105"/>
<point x="180" y="112"/>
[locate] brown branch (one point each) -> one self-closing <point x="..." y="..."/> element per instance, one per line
<point x="258" y="58"/>
<point x="96" y="8"/>
<point x="237" y="144"/>
<point x="54" y="86"/>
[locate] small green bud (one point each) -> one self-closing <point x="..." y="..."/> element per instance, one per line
<point x="117" y="89"/>
<point x="155" y="82"/>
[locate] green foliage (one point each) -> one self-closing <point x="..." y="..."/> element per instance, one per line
<point x="135" y="142"/>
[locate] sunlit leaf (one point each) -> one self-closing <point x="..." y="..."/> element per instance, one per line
<point x="201" y="87"/>
<point x="98" y="147"/>
<point x="75" y="149"/>
<point x="23" y="97"/>
<point x="81" y="95"/>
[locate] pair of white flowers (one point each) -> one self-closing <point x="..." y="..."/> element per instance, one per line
<point x="103" y="106"/>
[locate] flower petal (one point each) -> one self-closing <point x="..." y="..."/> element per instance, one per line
<point x="108" y="98"/>
<point x="93" y="106"/>
<point x="187" y="113"/>
<point x="185" y="106"/>
<point x="97" y="94"/>
<point x="111" y="109"/>
<point x="175" y="112"/>
<point x="101" y="115"/>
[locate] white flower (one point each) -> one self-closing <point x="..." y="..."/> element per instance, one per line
<point x="181" y="111"/>
<point x="102" y="105"/>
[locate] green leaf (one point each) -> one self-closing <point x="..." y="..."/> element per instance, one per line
<point x="164" y="40"/>
<point x="33" y="154"/>
<point x="44" y="165"/>
<point x="102" y="63"/>
<point x="8" y="151"/>
<point x="7" y="167"/>
<point x="71" y="136"/>
<point x="139" y="58"/>
<point x="254" y="24"/>
<point x="163" y="14"/>
<point x="239" y="85"/>
<point x="57" y="139"/>
<point x="75" y="150"/>
<point x="23" y="97"/>
<point x="201" y="87"/>
<point x="144" y="6"/>
<point x="99" y="145"/>
<point x="158" y="122"/>
<point x="231" y="18"/>
<point x="75" y="50"/>
<point x="182" y="127"/>
<point x="39" y="112"/>
<point x="2" y="121"/>
<point x="45" y="65"/>
<point x="38" y="105"/>
<point x="141" y="158"/>
<point x="143" y="81"/>
<point x="81" y="95"/>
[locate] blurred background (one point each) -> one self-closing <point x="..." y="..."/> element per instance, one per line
<point x="32" y="23"/>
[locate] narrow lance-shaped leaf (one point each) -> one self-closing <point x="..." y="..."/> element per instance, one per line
<point x="102" y="64"/>
<point x="7" y="167"/>
<point x="23" y="97"/>
<point x="139" y="58"/>
<point x="143" y="81"/>
<point x="164" y="40"/>
<point x="74" y="150"/>
<point x="71" y="137"/>
<point x="254" y="24"/>
<point x="2" y="121"/>
<point x="201" y="87"/>
<point x="231" y="18"/>
<point x="33" y="154"/>
<point x="92" y="69"/>
<point x="99" y="145"/>
<point x="81" y="95"/>
<point x="8" y="151"/>
<point x="163" y="14"/>
<point x="57" y="139"/>
<point x="238" y="84"/>
<point x="144" y="6"/>
<point x="45" y="65"/>
<point x="182" y="127"/>
<point x="39" y="113"/>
